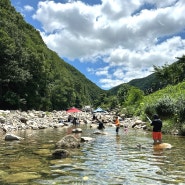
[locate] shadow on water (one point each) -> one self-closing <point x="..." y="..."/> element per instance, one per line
<point x="127" y="158"/>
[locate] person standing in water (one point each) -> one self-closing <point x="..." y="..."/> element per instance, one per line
<point x="157" y="125"/>
<point x="117" y="123"/>
<point x="75" y="121"/>
<point x="100" y="125"/>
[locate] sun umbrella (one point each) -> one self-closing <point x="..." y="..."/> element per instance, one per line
<point x="99" y="110"/>
<point x="73" y="109"/>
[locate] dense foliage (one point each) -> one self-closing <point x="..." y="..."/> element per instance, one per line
<point x="32" y="76"/>
<point x="168" y="103"/>
<point x="171" y="74"/>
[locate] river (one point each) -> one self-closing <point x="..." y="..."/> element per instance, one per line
<point x="109" y="159"/>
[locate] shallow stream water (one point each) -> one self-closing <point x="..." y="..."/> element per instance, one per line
<point x="109" y="159"/>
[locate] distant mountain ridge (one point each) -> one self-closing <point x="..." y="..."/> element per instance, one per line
<point x="145" y="84"/>
<point x="148" y="82"/>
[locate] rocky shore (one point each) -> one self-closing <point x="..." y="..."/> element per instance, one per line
<point x="12" y="121"/>
<point x="17" y="120"/>
<point x="21" y="120"/>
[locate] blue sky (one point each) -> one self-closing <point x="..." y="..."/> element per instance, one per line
<point x="110" y="41"/>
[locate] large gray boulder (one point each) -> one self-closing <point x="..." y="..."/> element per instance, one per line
<point x="68" y="141"/>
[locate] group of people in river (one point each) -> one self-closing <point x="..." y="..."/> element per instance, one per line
<point x="73" y="120"/>
<point x="117" y="124"/>
<point x="156" y="123"/>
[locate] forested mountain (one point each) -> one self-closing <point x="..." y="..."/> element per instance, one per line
<point x="31" y="75"/>
<point x="147" y="84"/>
<point x="144" y="83"/>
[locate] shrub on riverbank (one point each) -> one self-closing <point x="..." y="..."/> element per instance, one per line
<point x="168" y="103"/>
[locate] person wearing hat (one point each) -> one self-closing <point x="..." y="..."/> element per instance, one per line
<point x="157" y="125"/>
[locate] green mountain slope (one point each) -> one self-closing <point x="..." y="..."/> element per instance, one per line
<point x="147" y="84"/>
<point x="32" y="76"/>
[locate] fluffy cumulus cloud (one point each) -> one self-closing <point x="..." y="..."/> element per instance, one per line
<point x="128" y="36"/>
<point x="28" y="8"/>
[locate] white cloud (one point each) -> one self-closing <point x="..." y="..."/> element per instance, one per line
<point x="107" y="82"/>
<point x="28" y="8"/>
<point x="102" y="72"/>
<point x="99" y="71"/>
<point x="128" y="38"/>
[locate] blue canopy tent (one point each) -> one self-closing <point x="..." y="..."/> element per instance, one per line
<point x="99" y="110"/>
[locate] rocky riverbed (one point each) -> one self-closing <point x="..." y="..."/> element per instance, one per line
<point x="11" y="121"/>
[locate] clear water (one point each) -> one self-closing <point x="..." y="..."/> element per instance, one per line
<point x="109" y="159"/>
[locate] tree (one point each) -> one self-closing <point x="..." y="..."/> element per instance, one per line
<point x="122" y="93"/>
<point x="134" y="97"/>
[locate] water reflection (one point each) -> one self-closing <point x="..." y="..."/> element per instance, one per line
<point x="109" y="159"/>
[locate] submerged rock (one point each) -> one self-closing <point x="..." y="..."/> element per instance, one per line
<point x="162" y="146"/>
<point x="86" y="139"/>
<point x="60" y="153"/>
<point x="21" y="177"/>
<point x="11" y="137"/>
<point x="100" y="132"/>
